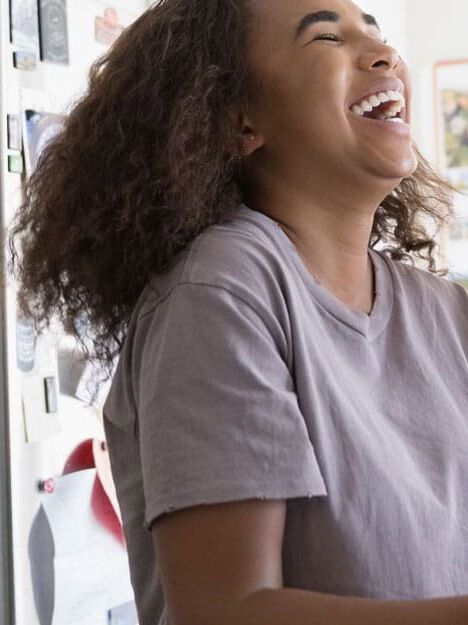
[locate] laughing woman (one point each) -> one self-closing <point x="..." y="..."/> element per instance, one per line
<point x="287" y="421"/>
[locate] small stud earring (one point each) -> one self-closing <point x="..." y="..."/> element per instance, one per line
<point x="244" y="145"/>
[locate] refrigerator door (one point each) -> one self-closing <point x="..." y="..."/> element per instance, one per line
<point x="44" y="417"/>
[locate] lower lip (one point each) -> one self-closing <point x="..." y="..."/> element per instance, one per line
<point x="398" y="127"/>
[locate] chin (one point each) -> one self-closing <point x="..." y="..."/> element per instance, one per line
<point x="398" y="169"/>
<point x="407" y="168"/>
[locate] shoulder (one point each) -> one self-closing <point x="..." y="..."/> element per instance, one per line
<point x="238" y="257"/>
<point x="428" y="288"/>
<point x="233" y="255"/>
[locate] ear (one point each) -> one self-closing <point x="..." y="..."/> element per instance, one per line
<point x="245" y="139"/>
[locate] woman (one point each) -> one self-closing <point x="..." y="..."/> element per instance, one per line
<point x="287" y="420"/>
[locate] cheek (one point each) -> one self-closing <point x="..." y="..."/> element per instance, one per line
<point x="305" y="99"/>
<point x="277" y="107"/>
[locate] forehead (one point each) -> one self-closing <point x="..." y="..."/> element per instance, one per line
<point x="277" y="18"/>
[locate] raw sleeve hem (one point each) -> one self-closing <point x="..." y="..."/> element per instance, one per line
<point x="315" y="488"/>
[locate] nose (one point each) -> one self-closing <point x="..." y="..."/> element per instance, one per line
<point x="383" y="56"/>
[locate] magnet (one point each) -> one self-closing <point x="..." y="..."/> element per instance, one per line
<point x="14" y="132"/>
<point x="46" y="486"/>
<point x="25" y="343"/>
<point x="15" y="163"/>
<point x="24" y="59"/>
<point x="50" y="388"/>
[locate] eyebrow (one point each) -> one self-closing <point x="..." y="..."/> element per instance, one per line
<point x="327" y="16"/>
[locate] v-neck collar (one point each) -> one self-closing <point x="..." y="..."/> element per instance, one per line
<point x="370" y="326"/>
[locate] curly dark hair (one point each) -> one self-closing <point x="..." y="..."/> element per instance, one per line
<point x="145" y="164"/>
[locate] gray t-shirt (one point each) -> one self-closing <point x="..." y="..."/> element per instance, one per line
<point x="242" y="377"/>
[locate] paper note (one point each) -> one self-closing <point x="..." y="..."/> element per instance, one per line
<point x="91" y="572"/>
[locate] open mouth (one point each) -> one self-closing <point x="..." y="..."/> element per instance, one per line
<point x="387" y="106"/>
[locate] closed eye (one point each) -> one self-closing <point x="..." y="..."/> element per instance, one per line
<point x="333" y="37"/>
<point x="330" y="36"/>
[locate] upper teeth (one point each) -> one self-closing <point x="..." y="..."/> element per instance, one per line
<point x="375" y="100"/>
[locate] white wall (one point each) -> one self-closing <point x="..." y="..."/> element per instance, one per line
<point x="437" y="32"/>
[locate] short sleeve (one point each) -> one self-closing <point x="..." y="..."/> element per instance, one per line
<point x="218" y="415"/>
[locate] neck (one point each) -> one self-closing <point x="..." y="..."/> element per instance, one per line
<point x="333" y="249"/>
<point x="361" y="300"/>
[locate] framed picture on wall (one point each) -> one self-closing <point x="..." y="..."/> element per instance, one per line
<point x="451" y="113"/>
<point x="451" y="128"/>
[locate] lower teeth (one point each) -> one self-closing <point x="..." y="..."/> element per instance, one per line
<point x="397" y="120"/>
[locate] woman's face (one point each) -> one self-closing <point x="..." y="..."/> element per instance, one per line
<point x="304" y="85"/>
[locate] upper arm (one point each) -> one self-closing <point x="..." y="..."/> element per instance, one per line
<point x="218" y="414"/>
<point x="212" y="556"/>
